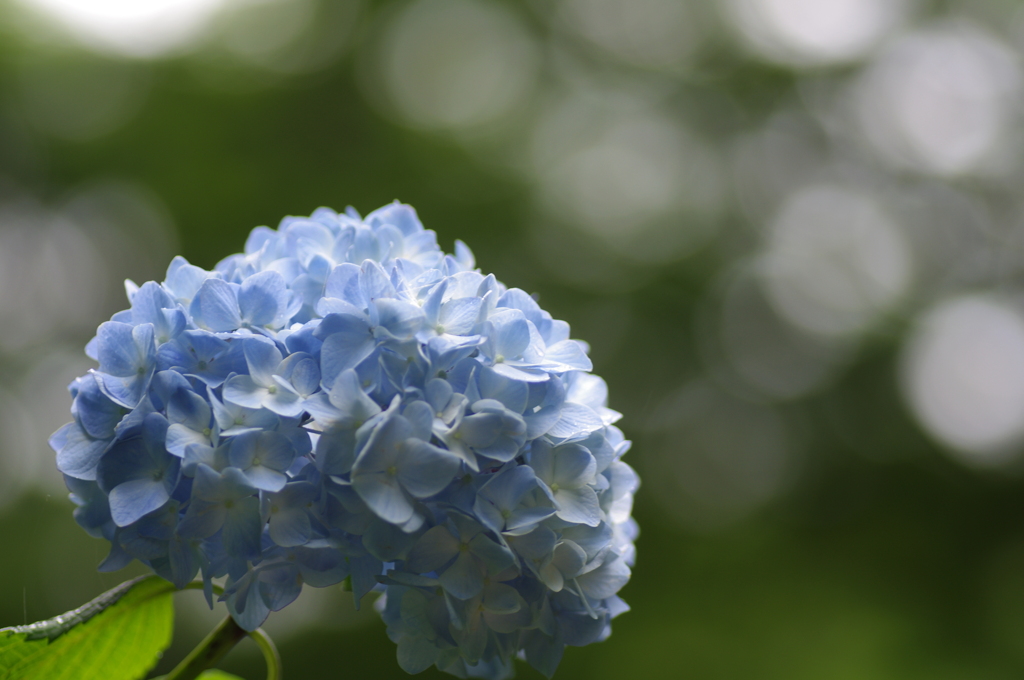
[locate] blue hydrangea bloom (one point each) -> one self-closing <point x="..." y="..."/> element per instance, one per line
<point x="345" y="402"/>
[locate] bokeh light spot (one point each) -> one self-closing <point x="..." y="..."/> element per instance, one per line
<point x="139" y="28"/>
<point x="815" y="32"/>
<point x="649" y="33"/>
<point x="941" y="100"/>
<point x="964" y="377"/>
<point x="835" y="260"/>
<point x="456" y="63"/>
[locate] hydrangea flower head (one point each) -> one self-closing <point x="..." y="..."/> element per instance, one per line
<point x="344" y="401"/>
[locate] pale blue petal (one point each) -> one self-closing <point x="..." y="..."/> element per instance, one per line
<point x="464" y="578"/>
<point x="523" y="520"/>
<point x="242" y="528"/>
<point x="345" y="348"/>
<point x="578" y="506"/>
<point x="421" y="417"/>
<point x="242" y="390"/>
<point x="262" y="357"/>
<point x="575" y="420"/>
<point x="399" y="319"/>
<point x="180" y="437"/>
<point x="133" y="499"/>
<point x="573" y="466"/>
<point x="79" y="454"/>
<point x="189" y="409"/>
<point x="510" y="334"/>
<point x="433" y="550"/>
<point x="458" y="317"/>
<point x="567" y="355"/>
<point x="354" y="406"/>
<point x="202" y="520"/>
<point x="290" y="527"/>
<point x="343" y="284"/>
<point x="96" y="412"/>
<point x="524" y="374"/>
<point x="115" y="349"/>
<point x="262" y="299"/>
<point x="215" y="306"/>
<point x="282" y="399"/>
<point x="508" y="487"/>
<point x="606" y="580"/>
<point x="501" y="599"/>
<point x="496" y="557"/>
<point x="265" y="478"/>
<point x="425" y="469"/>
<point x="374" y="283"/>
<point x="384" y="496"/>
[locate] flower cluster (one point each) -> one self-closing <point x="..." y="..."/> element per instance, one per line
<point x="345" y="402"/>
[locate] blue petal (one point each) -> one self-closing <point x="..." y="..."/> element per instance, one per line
<point x="279" y="585"/>
<point x="290" y="527"/>
<point x="96" y="412"/>
<point x="242" y="528"/>
<point x="262" y="358"/>
<point x="507" y="488"/>
<point x="464" y="578"/>
<point x="336" y="451"/>
<point x="184" y="279"/>
<point x="265" y="478"/>
<point x="115" y="348"/>
<point x="433" y="550"/>
<point x="263" y="300"/>
<point x="384" y="496"/>
<point x="501" y="599"/>
<point x="459" y="317"/>
<point x="374" y="283"/>
<point x="79" y="454"/>
<point x="246" y="605"/>
<point x="509" y="335"/>
<point x="573" y="466"/>
<point x="180" y="437"/>
<point x="513" y="394"/>
<point x="425" y="469"/>
<point x="133" y="499"/>
<point x="215" y="306"/>
<point x="523" y="520"/>
<point x="242" y="390"/>
<point x="399" y="319"/>
<point x="606" y="580"/>
<point x="496" y="557"/>
<point x="350" y="342"/>
<point x="149" y="305"/>
<point x="303" y="372"/>
<point x="343" y="284"/>
<point x="567" y="355"/>
<point x="347" y="396"/>
<point x="575" y="420"/>
<point x="579" y="506"/>
<point x="189" y="409"/>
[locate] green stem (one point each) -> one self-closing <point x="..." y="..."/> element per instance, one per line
<point x="219" y="642"/>
<point x="270" y="655"/>
<point x="207" y="653"/>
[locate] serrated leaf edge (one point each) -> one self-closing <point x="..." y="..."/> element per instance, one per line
<point x="51" y="629"/>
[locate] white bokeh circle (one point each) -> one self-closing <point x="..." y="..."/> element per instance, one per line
<point x="963" y="377"/>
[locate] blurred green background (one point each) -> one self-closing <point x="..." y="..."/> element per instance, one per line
<point x="791" y="230"/>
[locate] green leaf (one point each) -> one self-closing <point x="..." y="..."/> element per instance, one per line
<point x="117" y="636"/>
